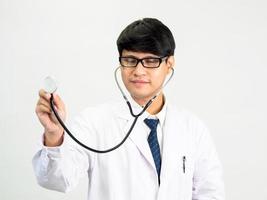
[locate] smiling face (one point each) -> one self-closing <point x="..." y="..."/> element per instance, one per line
<point x="143" y="83"/>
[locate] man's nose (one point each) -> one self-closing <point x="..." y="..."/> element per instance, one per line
<point x="139" y="69"/>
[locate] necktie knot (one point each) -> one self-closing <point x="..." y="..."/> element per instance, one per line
<point x="152" y="123"/>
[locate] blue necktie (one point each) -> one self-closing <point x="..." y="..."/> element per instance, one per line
<point x="154" y="144"/>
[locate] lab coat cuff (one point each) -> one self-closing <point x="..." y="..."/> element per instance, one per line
<point x="52" y="152"/>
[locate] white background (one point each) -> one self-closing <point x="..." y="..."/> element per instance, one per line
<point x="221" y="71"/>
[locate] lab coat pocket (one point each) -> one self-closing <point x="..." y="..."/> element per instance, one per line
<point x="186" y="169"/>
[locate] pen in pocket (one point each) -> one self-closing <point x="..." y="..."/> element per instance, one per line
<point x="184" y="160"/>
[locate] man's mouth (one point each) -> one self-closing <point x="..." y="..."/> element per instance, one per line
<point x="138" y="82"/>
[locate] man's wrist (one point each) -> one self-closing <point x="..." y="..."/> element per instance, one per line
<point x="53" y="140"/>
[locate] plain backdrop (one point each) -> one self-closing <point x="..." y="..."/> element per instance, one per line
<point x="220" y="75"/>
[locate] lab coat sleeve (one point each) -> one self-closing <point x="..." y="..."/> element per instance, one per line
<point x="60" y="168"/>
<point x="208" y="175"/>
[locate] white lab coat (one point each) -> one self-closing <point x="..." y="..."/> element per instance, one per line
<point x="129" y="172"/>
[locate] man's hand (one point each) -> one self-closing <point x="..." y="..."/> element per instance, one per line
<point x="53" y="131"/>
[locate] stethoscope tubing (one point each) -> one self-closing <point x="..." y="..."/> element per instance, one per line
<point x="82" y="144"/>
<point x="136" y="116"/>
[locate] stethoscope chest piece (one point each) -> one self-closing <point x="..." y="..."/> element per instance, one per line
<point x="50" y="85"/>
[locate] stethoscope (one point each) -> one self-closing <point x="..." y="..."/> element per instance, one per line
<point x="51" y="87"/>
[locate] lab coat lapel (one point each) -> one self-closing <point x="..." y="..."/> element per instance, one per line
<point x="139" y="138"/>
<point x="138" y="135"/>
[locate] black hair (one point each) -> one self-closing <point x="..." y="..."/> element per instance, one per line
<point x="147" y="35"/>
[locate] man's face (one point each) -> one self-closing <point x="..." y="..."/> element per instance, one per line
<point x="143" y="83"/>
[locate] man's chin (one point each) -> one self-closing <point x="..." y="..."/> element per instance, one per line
<point x="142" y="97"/>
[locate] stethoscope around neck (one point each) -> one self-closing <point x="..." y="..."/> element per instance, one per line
<point x="51" y="83"/>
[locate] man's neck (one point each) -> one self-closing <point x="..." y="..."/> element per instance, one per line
<point x="155" y="107"/>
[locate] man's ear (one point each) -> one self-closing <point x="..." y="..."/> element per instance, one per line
<point x="170" y="63"/>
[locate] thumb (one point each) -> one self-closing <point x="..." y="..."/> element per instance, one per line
<point x="59" y="103"/>
<point x="59" y="108"/>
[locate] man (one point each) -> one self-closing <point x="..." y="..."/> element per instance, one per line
<point x="169" y="154"/>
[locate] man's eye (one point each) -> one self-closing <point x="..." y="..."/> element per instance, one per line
<point x="129" y="60"/>
<point x="151" y="60"/>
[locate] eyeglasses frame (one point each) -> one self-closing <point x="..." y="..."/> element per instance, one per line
<point x="161" y="59"/>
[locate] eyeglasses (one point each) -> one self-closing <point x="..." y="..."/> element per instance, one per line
<point x="149" y="62"/>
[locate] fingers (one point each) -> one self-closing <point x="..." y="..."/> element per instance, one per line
<point x="43" y="94"/>
<point x="43" y="104"/>
<point x="45" y="114"/>
<point x="43" y="109"/>
<point x="44" y="99"/>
